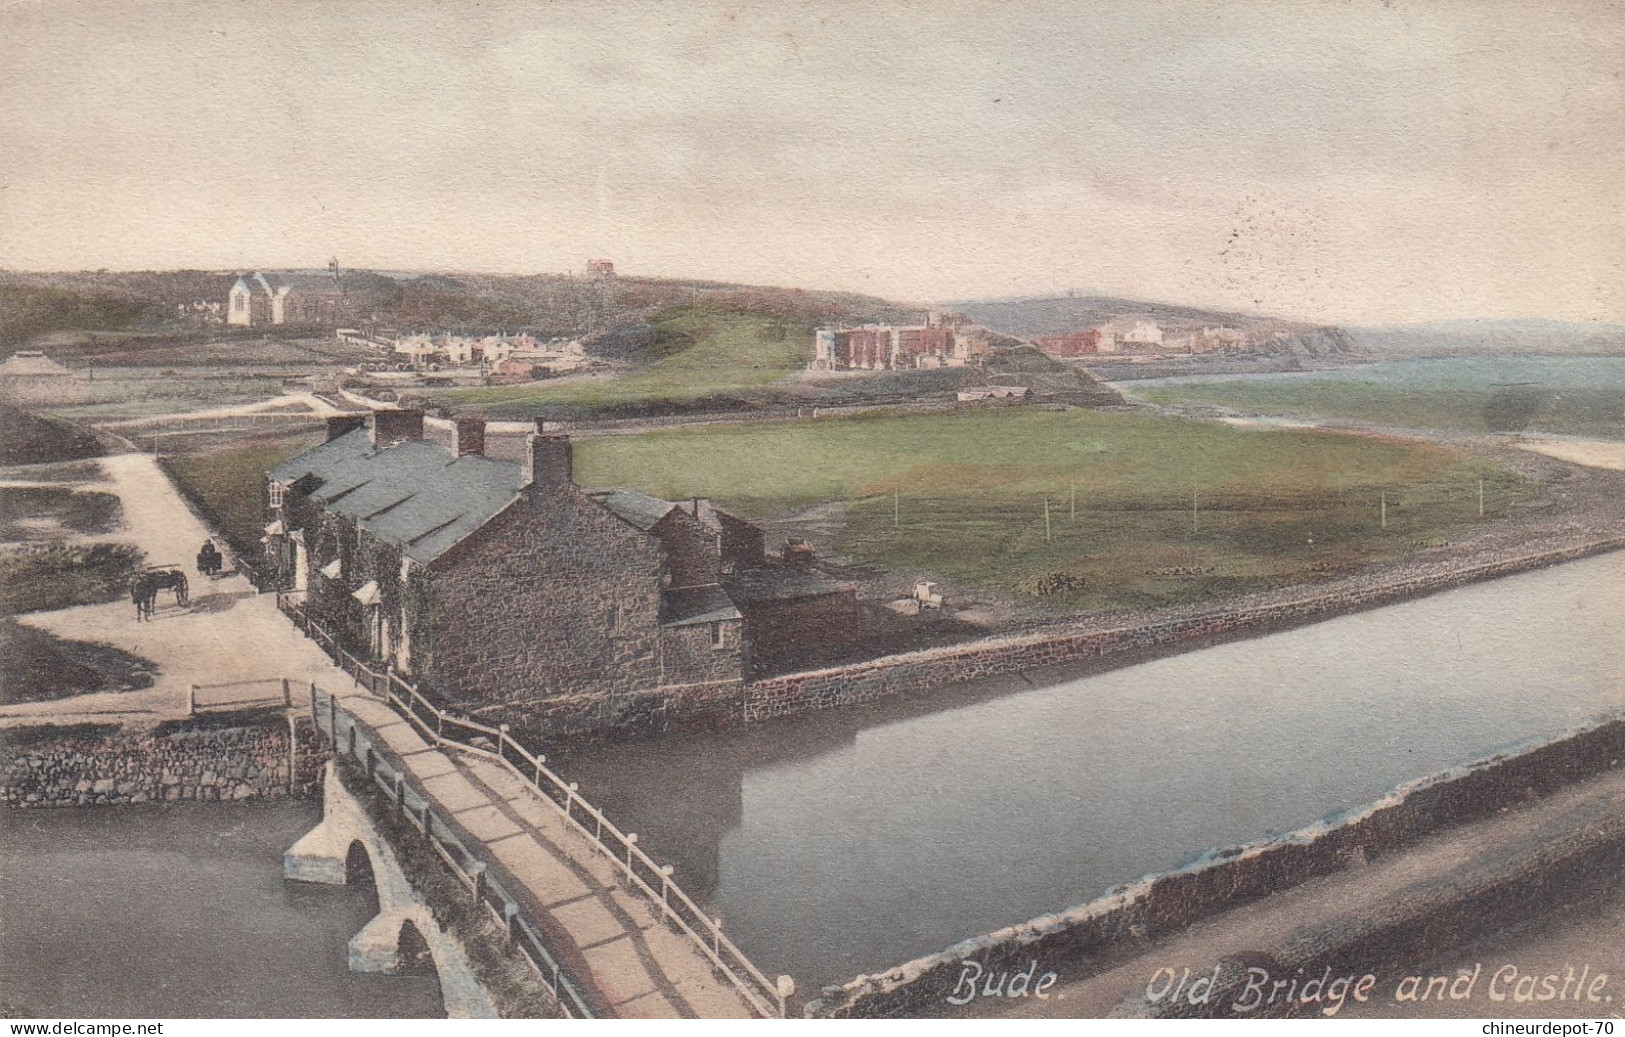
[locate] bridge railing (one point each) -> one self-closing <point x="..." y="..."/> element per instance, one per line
<point x="770" y="998"/>
<point x="229" y="695"/>
<point x="356" y="740"/>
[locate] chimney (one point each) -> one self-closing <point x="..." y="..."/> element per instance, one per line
<point x="339" y="424"/>
<point x="798" y="554"/>
<point x="395" y="426"/>
<point x="702" y="510"/>
<point x="468" y="437"/>
<point x="549" y="463"/>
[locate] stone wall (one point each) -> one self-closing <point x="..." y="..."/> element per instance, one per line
<point x="915" y="672"/>
<point x="199" y="760"/>
<point x="1170" y="901"/>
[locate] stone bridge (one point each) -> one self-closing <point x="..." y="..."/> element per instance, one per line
<point x="345" y="847"/>
<point x="600" y="922"/>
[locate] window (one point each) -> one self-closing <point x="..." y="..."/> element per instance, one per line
<point x="276" y="494"/>
<point x="719" y="636"/>
<point x="237" y="302"/>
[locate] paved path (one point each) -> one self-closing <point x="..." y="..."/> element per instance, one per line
<point x="1382" y="901"/>
<point x="315" y="406"/>
<point x="640" y="967"/>
<point x="229" y="632"/>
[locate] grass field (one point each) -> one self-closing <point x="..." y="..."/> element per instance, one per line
<point x="963" y="496"/>
<point x="729" y="351"/>
<point x="1165" y="511"/>
<point x="1569" y="395"/>
<point x="36" y="577"/>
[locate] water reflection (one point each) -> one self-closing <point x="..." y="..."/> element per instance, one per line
<point x="848" y="841"/>
<point x="181" y="911"/>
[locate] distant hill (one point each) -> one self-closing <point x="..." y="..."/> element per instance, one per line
<point x="1036" y="317"/>
<point x="611" y="314"/>
<point x="1029" y="318"/>
<point x="1492" y="336"/>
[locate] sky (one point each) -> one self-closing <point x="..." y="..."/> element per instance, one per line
<point x="1351" y="161"/>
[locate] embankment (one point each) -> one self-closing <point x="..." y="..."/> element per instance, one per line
<point x="918" y="672"/>
<point x="1126" y="918"/>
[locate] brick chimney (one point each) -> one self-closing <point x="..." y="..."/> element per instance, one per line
<point x="339" y="424"/>
<point x="549" y="463"/>
<point x="798" y="554"/>
<point x="395" y="426"/>
<point x="468" y="437"/>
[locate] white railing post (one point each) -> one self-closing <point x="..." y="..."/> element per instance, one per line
<point x="631" y="841"/>
<point x="502" y="736"/>
<point x="665" y="885"/>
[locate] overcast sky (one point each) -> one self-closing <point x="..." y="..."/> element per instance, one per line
<point x="1346" y="160"/>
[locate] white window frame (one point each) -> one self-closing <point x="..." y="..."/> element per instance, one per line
<point x="276" y="491"/>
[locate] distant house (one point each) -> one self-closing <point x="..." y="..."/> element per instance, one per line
<point x="31" y="363"/>
<point x="502" y="585"/>
<point x="268" y="298"/>
<point x="1142" y="333"/>
<point x="983" y="393"/>
<point x="1072" y="344"/>
<point x="893" y="347"/>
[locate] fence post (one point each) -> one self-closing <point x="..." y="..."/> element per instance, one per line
<point x="502" y="736"/>
<point x="287" y="694"/>
<point x="631" y="841"/>
<point x="191" y="700"/>
<point x="477" y="873"/>
<point x="313" y="719"/>
<point x="511" y="913"/>
<point x="786" y="990"/>
<point x="665" y="884"/>
<point x="333" y="720"/>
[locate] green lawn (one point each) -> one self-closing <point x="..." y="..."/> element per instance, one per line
<point x="226" y="485"/>
<point x="963" y="496"/>
<point x="729" y="351"/>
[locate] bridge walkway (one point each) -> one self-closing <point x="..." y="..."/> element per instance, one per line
<point x="639" y="966"/>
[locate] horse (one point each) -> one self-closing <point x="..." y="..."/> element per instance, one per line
<point x="145" y="586"/>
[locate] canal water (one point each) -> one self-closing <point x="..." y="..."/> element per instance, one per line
<point x="181" y="911"/>
<point x="849" y="841"/>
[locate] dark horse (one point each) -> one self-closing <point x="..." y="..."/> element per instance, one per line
<point x="145" y="586"/>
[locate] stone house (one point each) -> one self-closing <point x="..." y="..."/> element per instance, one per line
<point x="502" y="586"/>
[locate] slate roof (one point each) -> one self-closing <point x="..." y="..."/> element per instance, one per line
<point x="638" y="509"/>
<point x="691" y="606"/>
<point x="306" y="283"/>
<point x="414" y="495"/>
